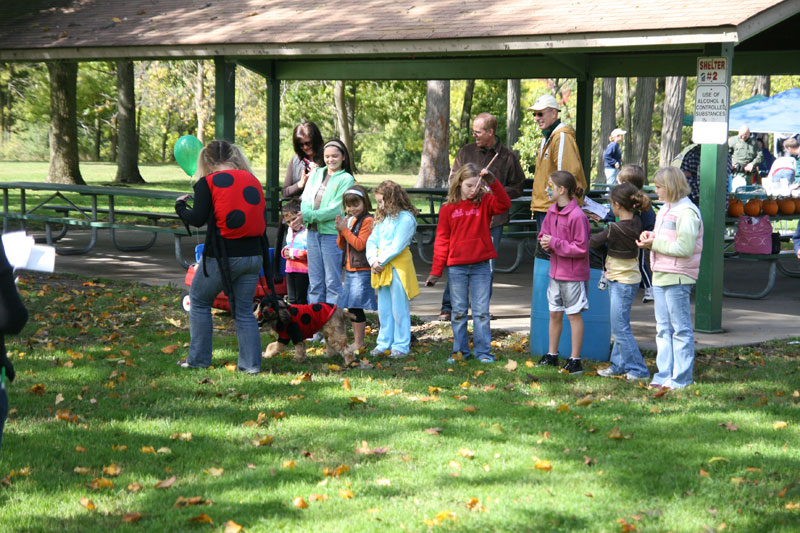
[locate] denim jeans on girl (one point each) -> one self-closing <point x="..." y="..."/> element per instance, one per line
<point x="245" y="272"/>
<point x="674" y="335"/>
<point x="324" y="268"/>
<point x="471" y="285"/>
<point x="625" y="355"/>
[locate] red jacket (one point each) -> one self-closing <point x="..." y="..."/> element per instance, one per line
<point x="462" y="235"/>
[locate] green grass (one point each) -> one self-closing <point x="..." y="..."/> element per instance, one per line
<point x="100" y="345"/>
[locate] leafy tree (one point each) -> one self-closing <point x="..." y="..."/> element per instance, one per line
<point x="63" y="126"/>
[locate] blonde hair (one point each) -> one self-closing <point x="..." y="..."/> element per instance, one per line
<point x="217" y="152"/>
<point x="465" y="172"/>
<point x="674" y="183"/>
<point x="395" y="200"/>
<point x="632" y="174"/>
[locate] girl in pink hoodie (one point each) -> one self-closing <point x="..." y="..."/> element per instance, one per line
<point x="565" y="235"/>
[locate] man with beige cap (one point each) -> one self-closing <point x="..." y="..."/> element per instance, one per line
<point x="558" y="151"/>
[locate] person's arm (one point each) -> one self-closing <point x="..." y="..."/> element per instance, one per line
<point x="404" y="229"/>
<point x="307" y="212"/>
<point x="372" y="247"/>
<point x="290" y="187"/>
<point x="759" y="156"/>
<point x="598" y="240"/>
<point x="332" y="206"/>
<point x="358" y="242"/>
<point x="578" y="245"/>
<point x="515" y="179"/>
<point x="198" y="214"/>
<point x="499" y="200"/>
<point x="688" y="227"/>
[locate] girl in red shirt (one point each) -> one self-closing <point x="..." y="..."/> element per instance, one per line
<point x="464" y="245"/>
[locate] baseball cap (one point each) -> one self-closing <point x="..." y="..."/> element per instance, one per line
<point x="618" y="131"/>
<point x="543" y="102"/>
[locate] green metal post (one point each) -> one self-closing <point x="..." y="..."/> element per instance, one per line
<point x="583" y="124"/>
<point x="224" y="106"/>
<point x="713" y="189"/>
<point x="273" y="145"/>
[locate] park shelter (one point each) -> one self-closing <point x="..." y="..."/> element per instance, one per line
<point x="439" y="39"/>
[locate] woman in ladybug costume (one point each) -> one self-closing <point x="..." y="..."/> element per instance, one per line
<point x="231" y="201"/>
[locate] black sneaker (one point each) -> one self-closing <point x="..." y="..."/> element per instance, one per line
<point x="572" y="367"/>
<point x="548" y="359"/>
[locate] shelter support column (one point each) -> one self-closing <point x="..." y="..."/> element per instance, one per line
<point x="224" y="105"/>
<point x="583" y="124"/>
<point x="713" y="189"/>
<point x="273" y="146"/>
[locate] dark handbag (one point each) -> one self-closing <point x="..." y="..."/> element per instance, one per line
<point x="776" y="243"/>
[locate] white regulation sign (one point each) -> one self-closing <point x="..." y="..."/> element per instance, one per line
<point x="710" y="114"/>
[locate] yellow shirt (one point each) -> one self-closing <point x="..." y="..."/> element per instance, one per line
<point x="623" y="270"/>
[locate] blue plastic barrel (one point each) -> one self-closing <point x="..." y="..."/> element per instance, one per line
<point x="597" y="329"/>
<point x="198" y="255"/>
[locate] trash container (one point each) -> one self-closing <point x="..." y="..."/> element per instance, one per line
<point x="597" y="328"/>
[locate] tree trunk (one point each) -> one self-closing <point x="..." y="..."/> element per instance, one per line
<point x="513" y="112"/>
<point x="761" y="85"/>
<point x="98" y="136"/>
<point x="626" y="107"/>
<point x="200" y="103"/>
<point x="465" y="124"/>
<point x="642" y="121"/>
<point x="165" y="136"/>
<point x="672" y="121"/>
<point x="435" y="164"/>
<point x="63" y="123"/>
<point x="340" y="98"/>
<point x="128" y="144"/>
<point x="608" y="121"/>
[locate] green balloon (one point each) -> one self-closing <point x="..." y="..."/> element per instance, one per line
<point x="186" y="151"/>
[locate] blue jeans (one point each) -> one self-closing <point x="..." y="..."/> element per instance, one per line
<point x="611" y="175"/>
<point x="471" y="283"/>
<point x="674" y="335"/>
<point x="394" y="315"/>
<point x="244" y="273"/>
<point x="625" y="355"/>
<point x="497" y="235"/>
<point x="3" y="410"/>
<point x="324" y="268"/>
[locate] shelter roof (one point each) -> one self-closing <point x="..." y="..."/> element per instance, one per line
<point x="90" y="29"/>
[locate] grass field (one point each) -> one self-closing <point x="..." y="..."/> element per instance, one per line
<point x="106" y="432"/>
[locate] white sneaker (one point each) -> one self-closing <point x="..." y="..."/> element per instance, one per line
<point x="631" y="377"/>
<point x="648" y="295"/>
<point x="608" y="372"/>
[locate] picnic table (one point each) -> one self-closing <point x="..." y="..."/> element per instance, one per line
<point x="94" y="208"/>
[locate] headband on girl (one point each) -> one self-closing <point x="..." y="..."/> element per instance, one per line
<point x="338" y="144"/>
<point x="354" y="191"/>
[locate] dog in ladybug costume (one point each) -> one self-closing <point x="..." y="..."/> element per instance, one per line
<point x="296" y="323"/>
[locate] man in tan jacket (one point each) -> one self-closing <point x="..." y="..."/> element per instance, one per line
<point x="558" y="151"/>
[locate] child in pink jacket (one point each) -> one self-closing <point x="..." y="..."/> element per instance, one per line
<point x="565" y="235"/>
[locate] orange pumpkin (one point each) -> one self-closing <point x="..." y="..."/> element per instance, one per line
<point x="752" y="208"/>
<point x="735" y="207"/>
<point x="786" y="206"/>
<point x="770" y="207"/>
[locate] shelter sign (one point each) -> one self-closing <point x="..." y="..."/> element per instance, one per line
<point x="711" y="102"/>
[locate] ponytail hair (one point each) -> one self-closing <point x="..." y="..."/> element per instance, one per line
<point x="220" y="151"/>
<point x="562" y="178"/>
<point x="630" y="198"/>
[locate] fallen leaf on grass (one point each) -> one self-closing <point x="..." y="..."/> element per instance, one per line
<point x="738" y="480"/>
<point x="118" y="447"/>
<point x="346" y="494"/>
<point x="166" y="483"/>
<point x="660" y="393"/>
<point x="131" y="517"/>
<point x="66" y="415"/>
<point x="214" y="472"/>
<point x="440" y="518"/>
<point x="59" y="398"/>
<point x="334" y="368"/>
<point x="80" y="470"/>
<point x="702" y="473"/>
<point x="779" y="425"/>
<point x="112" y="470"/>
<point x="563" y="408"/>
<point x="317" y="497"/>
<point x="202" y="518"/>
<point x="194" y="500"/>
<point x="511" y="365"/>
<point x="730" y="426"/>
<point x="100" y="483"/>
<point x="792" y="506"/>
<point x="336" y="472"/>
<point x="586" y="400"/>
<point x="355" y="400"/>
<point x="89" y="504"/>
<point x="164" y="450"/>
<point x="466" y="452"/>
<point x="230" y="367"/>
<point x="383" y="482"/>
<point x="263" y="441"/>
<point x="148" y="449"/>
<point x="454" y="464"/>
<point x="465" y="385"/>
<point x="182" y="436"/>
<point x="134" y="487"/>
<point x="474" y="505"/>
<point x="543" y="465"/>
<point x="231" y="527"/>
<point x="617" y="434"/>
<point x="38" y="389"/>
<point x="434" y="431"/>
<point x="470" y="409"/>
<point x="169" y="350"/>
<point x="346" y="384"/>
<point x="289" y="464"/>
<point x="434" y="390"/>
